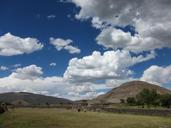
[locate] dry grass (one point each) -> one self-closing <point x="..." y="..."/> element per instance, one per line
<point x="57" y="118"/>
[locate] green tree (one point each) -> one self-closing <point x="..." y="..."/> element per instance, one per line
<point x="155" y="98"/>
<point x="131" y="101"/>
<point x="148" y="97"/>
<point x="166" y="100"/>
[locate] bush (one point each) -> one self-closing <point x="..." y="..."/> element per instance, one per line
<point x="3" y="107"/>
<point x="148" y="97"/>
<point x="166" y="100"/>
<point x="131" y="101"/>
<point x="2" y="110"/>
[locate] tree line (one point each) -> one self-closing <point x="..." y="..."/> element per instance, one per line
<point x="149" y="98"/>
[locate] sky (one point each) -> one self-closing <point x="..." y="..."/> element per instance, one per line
<point x="79" y="49"/>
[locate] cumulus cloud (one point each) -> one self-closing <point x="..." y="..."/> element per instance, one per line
<point x="85" y="90"/>
<point x="64" y="44"/>
<point x="49" y="85"/>
<point x="78" y="96"/>
<point x="112" y="83"/>
<point x="13" y="45"/>
<point x="157" y="74"/>
<point x="116" y="38"/>
<point x="72" y="49"/>
<point x="3" y="68"/>
<point x="81" y="89"/>
<point x="52" y="64"/>
<point x="97" y="23"/>
<point x="111" y="64"/>
<point x="29" y="72"/>
<point x="113" y="11"/>
<point x="151" y="19"/>
<point x="30" y="79"/>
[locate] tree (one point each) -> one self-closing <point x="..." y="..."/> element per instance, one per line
<point x="143" y="97"/>
<point x="148" y="97"/>
<point x="166" y="100"/>
<point x="155" y="98"/>
<point x="47" y="104"/>
<point x="3" y="107"/>
<point x="131" y="101"/>
<point x="2" y="110"/>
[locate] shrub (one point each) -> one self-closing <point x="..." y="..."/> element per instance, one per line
<point x="131" y="101"/>
<point x="1" y="110"/>
<point x="148" y="97"/>
<point x="166" y="100"/>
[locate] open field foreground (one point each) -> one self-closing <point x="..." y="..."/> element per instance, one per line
<point x="57" y="118"/>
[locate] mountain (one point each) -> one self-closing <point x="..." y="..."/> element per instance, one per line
<point x="25" y="99"/>
<point x="129" y="89"/>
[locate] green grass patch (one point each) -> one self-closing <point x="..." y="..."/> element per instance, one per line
<point x="58" y="118"/>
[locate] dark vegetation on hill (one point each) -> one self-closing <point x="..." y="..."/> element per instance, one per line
<point x="149" y="98"/>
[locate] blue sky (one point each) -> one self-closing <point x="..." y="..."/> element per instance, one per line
<point x="29" y="19"/>
<point x="103" y="27"/>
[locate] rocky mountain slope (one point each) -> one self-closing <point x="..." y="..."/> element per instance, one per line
<point x="129" y="89"/>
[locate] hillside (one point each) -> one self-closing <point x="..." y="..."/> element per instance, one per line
<point x="25" y="99"/>
<point x="129" y="89"/>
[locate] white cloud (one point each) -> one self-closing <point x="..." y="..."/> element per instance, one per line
<point x="157" y="74"/>
<point x="3" y="68"/>
<point x="52" y="64"/>
<point x="151" y="19"/>
<point x="64" y="44"/>
<point x="29" y="72"/>
<point x="72" y="49"/>
<point x="16" y="65"/>
<point x="108" y="10"/>
<point x="86" y="90"/>
<point x="82" y="88"/>
<point x="112" y="83"/>
<point x="47" y="85"/>
<point x="30" y="79"/>
<point x="60" y="43"/>
<point x="112" y="64"/>
<point x="116" y="38"/>
<point x="97" y="23"/>
<point x="78" y="96"/>
<point x="13" y="45"/>
<point x="52" y="16"/>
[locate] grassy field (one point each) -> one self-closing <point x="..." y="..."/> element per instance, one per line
<point x="56" y="118"/>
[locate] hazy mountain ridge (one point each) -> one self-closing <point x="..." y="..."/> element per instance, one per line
<point x="31" y="99"/>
